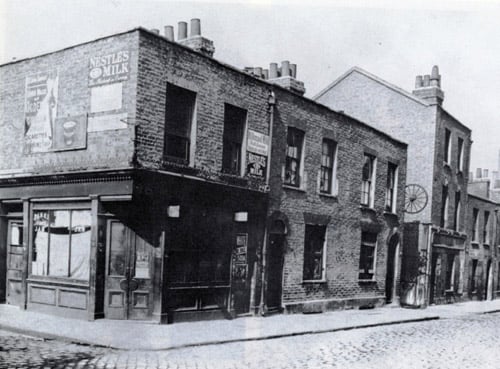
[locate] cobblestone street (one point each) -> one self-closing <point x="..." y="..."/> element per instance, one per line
<point x="467" y="342"/>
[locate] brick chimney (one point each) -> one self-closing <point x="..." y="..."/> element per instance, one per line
<point x="428" y="87"/>
<point x="285" y="76"/>
<point x="194" y="41"/>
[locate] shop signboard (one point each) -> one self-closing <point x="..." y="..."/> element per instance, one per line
<point x="109" y="68"/>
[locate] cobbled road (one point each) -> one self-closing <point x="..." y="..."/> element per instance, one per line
<point x="472" y="341"/>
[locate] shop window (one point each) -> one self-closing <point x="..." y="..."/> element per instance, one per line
<point x="460" y="154"/>
<point x="447" y="146"/>
<point x="179" y="124"/>
<point x="445" y="199"/>
<point x="294" y="153"/>
<point x="328" y="173"/>
<point x="456" y="214"/>
<point x="391" y="188"/>
<point x="61" y="243"/>
<point x="475" y="224"/>
<point x="368" y="180"/>
<point x="314" y="252"/>
<point x="234" y="131"/>
<point x="486" y="228"/>
<point x="367" y="256"/>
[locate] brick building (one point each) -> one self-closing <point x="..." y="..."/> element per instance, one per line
<point x="437" y="175"/>
<point x="135" y="183"/>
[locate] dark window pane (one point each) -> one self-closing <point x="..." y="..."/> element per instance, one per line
<point x="314" y="241"/>
<point x="295" y="140"/>
<point x="118" y="249"/>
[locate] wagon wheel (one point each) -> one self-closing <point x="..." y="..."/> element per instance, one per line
<point x="415" y="198"/>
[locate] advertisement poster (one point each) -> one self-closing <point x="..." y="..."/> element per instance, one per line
<point x="40" y="111"/>
<point x="70" y="133"/>
<point x="109" y="68"/>
<point x="256" y="165"/>
<point x="257" y="149"/>
<point x="239" y="264"/>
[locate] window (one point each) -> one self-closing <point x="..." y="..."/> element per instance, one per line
<point x="368" y="180"/>
<point x="450" y="272"/>
<point x="314" y="250"/>
<point x="486" y="228"/>
<point x="456" y="215"/>
<point x="234" y="131"/>
<point x="447" y="146"/>
<point x="367" y="255"/>
<point x="179" y="118"/>
<point x="444" y="207"/>
<point x="390" y="191"/>
<point x="475" y="226"/>
<point x="473" y="285"/>
<point x="328" y="168"/>
<point x="61" y="243"/>
<point x="293" y="163"/>
<point x="460" y="154"/>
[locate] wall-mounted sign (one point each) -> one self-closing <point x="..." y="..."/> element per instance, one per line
<point x="258" y="143"/>
<point x="107" y="122"/>
<point x="239" y="262"/>
<point x="70" y="133"/>
<point x="109" y="68"/>
<point x="40" y="111"/>
<point x="106" y="98"/>
<point x="256" y="165"/>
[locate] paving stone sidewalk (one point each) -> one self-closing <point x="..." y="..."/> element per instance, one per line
<point x="131" y="335"/>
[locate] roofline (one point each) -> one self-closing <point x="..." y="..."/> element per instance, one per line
<point x="376" y="79"/>
<point x="235" y="69"/>
<point x="456" y="120"/>
<point x="483" y="199"/>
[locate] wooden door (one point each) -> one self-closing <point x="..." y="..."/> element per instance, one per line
<point x="14" y="262"/>
<point x="274" y="272"/>
<point x="129" y="274"/>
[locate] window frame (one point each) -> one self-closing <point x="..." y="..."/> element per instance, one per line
<point x="370" y="203"/>
<point x="289" y="159"/>
<point x="445" y="203"/>
<point x="240" y="170"/>
<point x="486" y="227"/>
<point x="367" y="244"/>
<point x="460" y="154"/>
<point x="391" y="193"/>
<point x="447" y="146"/>
<point x="457" y="211"/>
<point x="333" y="185"/>
<point x="323" y="253"/>
<point x="475" y="225"/>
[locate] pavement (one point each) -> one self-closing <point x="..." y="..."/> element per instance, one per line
<point x="134" y="335"/>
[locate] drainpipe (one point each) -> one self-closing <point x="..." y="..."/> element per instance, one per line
<point x="271" y="101"/>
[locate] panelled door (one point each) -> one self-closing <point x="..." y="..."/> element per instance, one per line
<point x="14" y="262"/>
<point x="129" y="274"/>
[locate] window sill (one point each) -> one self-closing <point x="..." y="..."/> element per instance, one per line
<point x="328" y="195"/>
<point x="313" y="281"/>
<point x="390" y="214"/>
<point x="367" y="208"/>
<point x="366" y="281"/>
<point x="298" y="189"/>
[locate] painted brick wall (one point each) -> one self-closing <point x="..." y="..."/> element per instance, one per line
<point x="105" y="149"/>
<point x="344" y="229"/>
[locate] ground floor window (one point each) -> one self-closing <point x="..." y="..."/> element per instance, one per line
<point x="367" y="256"/>
<point x="61" y="243"/>
<point x="314" y="245"/>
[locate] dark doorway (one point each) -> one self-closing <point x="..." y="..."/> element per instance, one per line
<point x="391" y="268"/>
<point x="433" y="278"/>
<point x="274" y="272"/>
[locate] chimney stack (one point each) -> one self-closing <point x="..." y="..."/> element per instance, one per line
<point x="195" y="40"/>
<point x="478" y="173"/>
<point x="429" y="88"/>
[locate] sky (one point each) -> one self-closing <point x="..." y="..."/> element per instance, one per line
<point x="395" y="40"/>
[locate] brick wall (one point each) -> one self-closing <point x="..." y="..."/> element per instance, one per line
<point x="104" y="149"/>
<point x="344" y="229"/>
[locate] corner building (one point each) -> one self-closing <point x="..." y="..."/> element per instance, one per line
<point x="434" y="242"/>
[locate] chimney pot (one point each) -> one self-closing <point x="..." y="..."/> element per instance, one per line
<point x="258" y="72"/>
<point x="435" y="72"/>
<point x="155" y="30"/>
<point x="478" y="173"/>
<point x="418" y="82"/>
<point x="182" y="31"/>
<point x="266" y="73"/>
<point x="169" y="33"/>
<point x="285" y="68"/>
<point x="293" y="68"/>
<point x="427" y="79"/>
<point x="273" y="70"/>
<point x="195" y="27"/>
<point x="485" y="173"/>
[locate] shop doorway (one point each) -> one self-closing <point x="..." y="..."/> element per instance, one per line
<point x="15" y="263"/>
<point x="129" y="274"/>
<point x="274" y="272"/>
<point x="392" y="267"/>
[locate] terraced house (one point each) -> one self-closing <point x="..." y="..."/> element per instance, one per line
<point x="140" y="178"/>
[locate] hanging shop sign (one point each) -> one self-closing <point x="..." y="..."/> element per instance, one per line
<point x="258" y="143"/>
<point x="40" y="110"/>
<point x="70" y="133"/>
<point x="239" y="262"/>
<point x="109" y="68"/>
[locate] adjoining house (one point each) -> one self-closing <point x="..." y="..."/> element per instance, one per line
<point x="143" y="179"/>
<point x="435" y="233"/>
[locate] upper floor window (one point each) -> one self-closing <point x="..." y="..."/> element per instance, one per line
<point x="179" y="119"/>
<point x="460" y="154"/>
<point x="486" y="228"/>
<point x="391" y="188"/>
<point x="445" y="199"/>
<point x="328" y="167"/>
<point x="368" y="180"/>
<point x="367" y="255"/>
<point x="234" y="132"/>
<point x="294" y="150"/>
<point x="475" y="224"/>
<point x="447" y="145"/>
<point x="314" y="253"/>
<point x="456" y="215"/>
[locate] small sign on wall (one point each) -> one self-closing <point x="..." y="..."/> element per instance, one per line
<point x="256" y="165"/>
<point x="70" y="133"/>
<point x="258" y="143"/>
<point x="107" y="122"/>
<point x="239" y="262"/>
<point x="106" y="98"/>
<point x="109" y="68"/>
